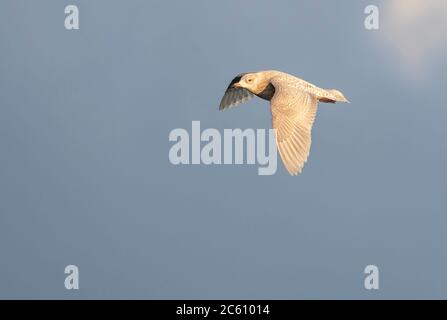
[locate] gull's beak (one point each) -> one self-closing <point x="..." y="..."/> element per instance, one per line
<point x="236" y="85"/>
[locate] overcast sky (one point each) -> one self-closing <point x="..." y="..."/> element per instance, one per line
<point x="85" y="177"/>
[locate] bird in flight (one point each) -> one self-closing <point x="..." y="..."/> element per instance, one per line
<point x="293" y="103"/>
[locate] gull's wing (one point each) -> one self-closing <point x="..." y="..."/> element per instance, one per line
<point x="293" y="114"/>
<point x="234" y="96"/>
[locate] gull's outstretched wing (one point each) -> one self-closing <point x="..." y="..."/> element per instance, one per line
<point x="293" y="114"/>
<point x="234" y="96"/>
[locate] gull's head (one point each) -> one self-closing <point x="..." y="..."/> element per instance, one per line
<point x="249" y="81"/>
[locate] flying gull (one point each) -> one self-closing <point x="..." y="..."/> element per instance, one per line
<point x="293" y="103"/>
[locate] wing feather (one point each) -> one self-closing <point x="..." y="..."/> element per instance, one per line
<point x="234" y="96"/>
<point x="293" y="114"/>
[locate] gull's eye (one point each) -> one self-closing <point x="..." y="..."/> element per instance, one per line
<point x="250" y="79"/>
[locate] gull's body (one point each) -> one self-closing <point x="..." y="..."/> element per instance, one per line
<point x="293" y="103"/>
